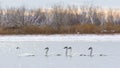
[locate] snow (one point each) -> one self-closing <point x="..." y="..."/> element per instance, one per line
<point x="78" y="37"/>
<point x="28" y="51"/>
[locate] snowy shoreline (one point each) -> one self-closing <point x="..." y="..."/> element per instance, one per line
<point x="64" y="37"/>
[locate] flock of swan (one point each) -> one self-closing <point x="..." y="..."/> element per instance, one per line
<point x="68" y="52"/>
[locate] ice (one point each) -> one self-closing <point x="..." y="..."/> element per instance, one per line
<point x="76" y="37"/>
<point x="28" y="51"/>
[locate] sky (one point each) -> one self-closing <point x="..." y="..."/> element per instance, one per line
<point x="48" y="3"/>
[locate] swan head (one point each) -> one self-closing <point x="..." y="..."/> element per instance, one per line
<point x="46" y="48"/>
<point x="89" y="48"/>
<point x="65" y="47"/>
<point x="70" y="48"/>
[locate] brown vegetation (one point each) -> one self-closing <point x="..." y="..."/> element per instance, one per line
<point x="60" y="20"/>
<point x="74" y="29"/>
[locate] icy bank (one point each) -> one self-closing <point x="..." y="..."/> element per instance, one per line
<point x="88" y="38"/>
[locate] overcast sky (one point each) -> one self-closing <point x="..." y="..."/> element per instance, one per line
<point x="48" y="3"/>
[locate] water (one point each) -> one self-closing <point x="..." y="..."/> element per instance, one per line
<point x="10" y="56"/>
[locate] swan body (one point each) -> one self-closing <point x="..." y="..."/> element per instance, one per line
<point x="26" y="55"/>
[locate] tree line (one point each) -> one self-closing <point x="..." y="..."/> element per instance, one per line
<point x="59" y="16"/>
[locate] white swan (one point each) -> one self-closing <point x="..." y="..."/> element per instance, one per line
<point x="26" y="55"/>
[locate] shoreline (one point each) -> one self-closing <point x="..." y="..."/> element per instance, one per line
<point x="62" y="38"/>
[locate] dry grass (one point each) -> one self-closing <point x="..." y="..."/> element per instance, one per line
<point x="38" y="30"/>
<point x="73" y="29"/>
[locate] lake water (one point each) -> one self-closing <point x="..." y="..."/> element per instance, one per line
<point x="10" y="57"/>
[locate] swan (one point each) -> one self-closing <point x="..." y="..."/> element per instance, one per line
<point x="70" y="53"/>
<point x="46" y="53"/>
<point x="91" y="51"/>
<point x="66" y="52"/>
<point x="24" y="54"/>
